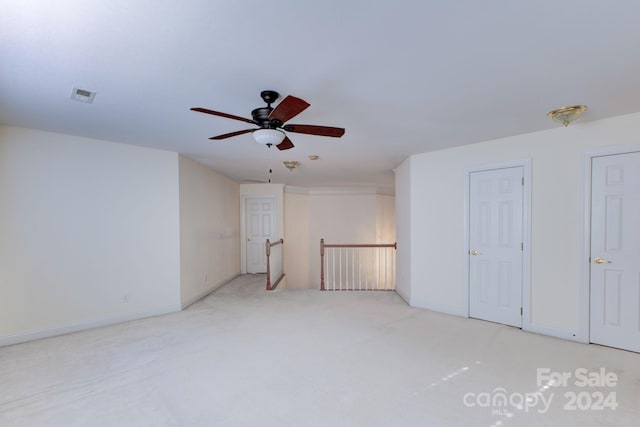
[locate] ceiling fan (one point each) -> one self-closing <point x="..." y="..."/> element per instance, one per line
<point x="271" y="120"/>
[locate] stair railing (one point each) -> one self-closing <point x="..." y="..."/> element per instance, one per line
<point x="357" y="267"/>
<point x="274" y="266"/>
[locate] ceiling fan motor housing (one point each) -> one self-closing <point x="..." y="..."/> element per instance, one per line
<point x="261" y="116"/>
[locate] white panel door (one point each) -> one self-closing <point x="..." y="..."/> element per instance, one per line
<point x="495" y="245"/>
<point x="615" y="251"/>
<point x="261" y="219"/>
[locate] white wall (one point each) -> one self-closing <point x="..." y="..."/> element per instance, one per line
<point x="403" y="229"/>
<point x="209" y="230"/>
<point x="385" y="219"/>
<point x="435" y="213"/>
<point x="296" y="247"/>
<point x="338" y="215"/>
<point x="89" y="233"/>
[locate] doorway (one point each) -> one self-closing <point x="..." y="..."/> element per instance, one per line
<point x="614" y="247"/>
<point x="260" y="225"/>
<point x="497" y="243"/>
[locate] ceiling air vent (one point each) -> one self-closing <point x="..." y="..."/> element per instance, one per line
<point x="82" y="95"/>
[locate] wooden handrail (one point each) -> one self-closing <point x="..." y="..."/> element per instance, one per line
<point x="269" y="245"/>
<point x="279" y="242"/>
<point x="386" y="245"/>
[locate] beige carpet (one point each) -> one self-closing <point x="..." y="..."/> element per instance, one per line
<point x="247" y="357"/>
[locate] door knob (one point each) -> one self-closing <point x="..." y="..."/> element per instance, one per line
<point x="475" y="252"/>
<point x="599" y="260"/>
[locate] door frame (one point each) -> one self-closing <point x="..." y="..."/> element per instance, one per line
<point x="526" y="233"/>
<point x="243" y="224"/>
<point x="584" y="283"/>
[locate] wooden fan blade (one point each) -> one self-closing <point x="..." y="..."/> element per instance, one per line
<point x="230" y="134"/>
<point x="285" y="144"/>
<point x="218" y="113"/>
<point x="288" y="109"/>
<point x="315" y="130"/>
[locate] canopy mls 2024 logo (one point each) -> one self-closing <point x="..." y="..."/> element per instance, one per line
<point x="584" y="390"/>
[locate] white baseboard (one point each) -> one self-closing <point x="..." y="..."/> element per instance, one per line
<point x="554" y="332"/>
<point x="207" y="291"/>
<point x="404" y="297"/>
<point x="461" y="312"/>
<point x="67" y="329"/>
<point x="534" y="328"/>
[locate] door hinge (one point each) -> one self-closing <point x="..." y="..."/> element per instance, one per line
<point x="521" y="311"/>
<point x="523" y="181"/>
<point x="522" y="246"/>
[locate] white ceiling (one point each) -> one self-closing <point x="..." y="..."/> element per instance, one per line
<point x="402" y="77"/>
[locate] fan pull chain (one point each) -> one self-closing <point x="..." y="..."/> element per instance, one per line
<point x="270" y="170"/>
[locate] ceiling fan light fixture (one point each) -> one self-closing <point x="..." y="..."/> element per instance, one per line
<point x="566" y="115"/>
<point x="268" y="136"/>
<point x="291" y="164"/>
